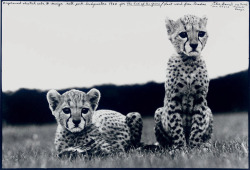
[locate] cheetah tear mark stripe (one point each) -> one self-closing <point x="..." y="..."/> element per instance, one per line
<point x="201" y="43"/>
<point x="68" y="121"/>
<point x="185" y="43"/>
<point x="84" y="121"/>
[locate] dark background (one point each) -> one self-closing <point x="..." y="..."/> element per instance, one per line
<point x="226" y="94"/>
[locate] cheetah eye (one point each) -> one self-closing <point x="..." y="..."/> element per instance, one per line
<point x="183" y="35"/>
<point x="66" y="110"/>
<point x="201" y="33"/>
<point x="85" y="110"/>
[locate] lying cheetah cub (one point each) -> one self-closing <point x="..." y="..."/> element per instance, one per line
<point x="83" y="130"/>
<point x="185" y="118"/>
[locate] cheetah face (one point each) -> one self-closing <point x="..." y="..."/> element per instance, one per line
<point x="188" y="34"/>
<point x="73" y="109"/>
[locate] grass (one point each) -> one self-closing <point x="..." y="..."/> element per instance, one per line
<point x="32" y="147"/>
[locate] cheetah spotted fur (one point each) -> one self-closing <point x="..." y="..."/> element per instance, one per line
<point x="83" y="130"/>
<point x="185" y="119"/>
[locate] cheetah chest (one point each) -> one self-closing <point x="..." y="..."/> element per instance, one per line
<point x="85" y="140"/>
<point x="186" y="81"/>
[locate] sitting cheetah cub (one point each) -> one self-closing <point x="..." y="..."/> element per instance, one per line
<point x="185" y="118"/>
<point x="83" y="130"/>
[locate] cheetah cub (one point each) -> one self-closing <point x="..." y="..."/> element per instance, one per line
<point x="83" y="130"/>
<point x="185" y="119"/>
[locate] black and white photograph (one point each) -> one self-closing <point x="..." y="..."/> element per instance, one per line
<point x="125" y="84"/>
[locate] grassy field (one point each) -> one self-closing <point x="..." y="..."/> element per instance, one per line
<point x="32" y="147"/>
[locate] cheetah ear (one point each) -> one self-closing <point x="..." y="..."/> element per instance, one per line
<point x="169" y="25"/>
<point x="204" y="20"/>
<point x="94" y="96"/>
<point x="53" y="98"/>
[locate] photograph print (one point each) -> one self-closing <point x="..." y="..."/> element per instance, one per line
<point x="88" y="84"/>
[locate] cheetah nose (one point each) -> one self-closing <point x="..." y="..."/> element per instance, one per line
<point x="193" y="46"/>
<point x="76" y="122"/>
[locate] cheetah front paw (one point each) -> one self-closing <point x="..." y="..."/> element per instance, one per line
<point x="72" y="153"/>
<point x="68" y="154"/>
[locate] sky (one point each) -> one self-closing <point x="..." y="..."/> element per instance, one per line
<point x="51" y="47"/>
